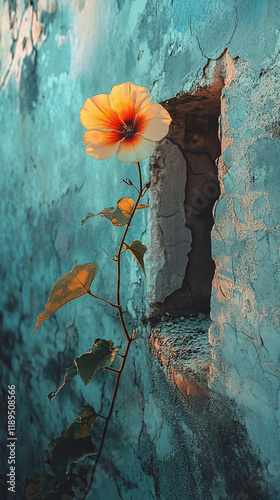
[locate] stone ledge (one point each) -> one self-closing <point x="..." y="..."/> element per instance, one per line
<point x="183" y="350"/>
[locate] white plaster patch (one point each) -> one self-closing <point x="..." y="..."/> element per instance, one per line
<point x="87" y="35"/>
<point x="171" y="239"/>
<point x="27" y="33"/>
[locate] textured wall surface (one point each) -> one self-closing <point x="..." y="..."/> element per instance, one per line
<point x="192" y="423"/>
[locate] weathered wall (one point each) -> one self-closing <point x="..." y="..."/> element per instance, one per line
<point x="245" y="300"/>
<point x="223" y="441"/>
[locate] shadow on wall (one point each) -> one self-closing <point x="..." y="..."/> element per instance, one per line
<point x="184" y="189"/>
<point x="211" y="456"/>
<point x="215" y="460"/>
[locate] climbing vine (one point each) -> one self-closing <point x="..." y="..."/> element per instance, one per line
<point x="124" y="123"/>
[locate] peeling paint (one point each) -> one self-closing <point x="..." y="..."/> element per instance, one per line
<point x="28" y="33"/>
<point x="53" y="56"/>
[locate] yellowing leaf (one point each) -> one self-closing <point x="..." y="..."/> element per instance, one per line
<point x="141" y="205"/>
<point x="100" y="355"/>
<point x="85" y="420"/>
<point x="120" y="215"/>
<point x="71" y="286"/>
<point x="138" y="250"/>
<point x="126" y="205"/>
<point x="82" y="424"/>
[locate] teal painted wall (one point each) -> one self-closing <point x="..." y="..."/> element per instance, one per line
<point x="53" y="56"/>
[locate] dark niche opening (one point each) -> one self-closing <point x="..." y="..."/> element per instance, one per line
<point x="195" y="131"/>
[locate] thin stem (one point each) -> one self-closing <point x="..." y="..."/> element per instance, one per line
<point x="129" y="183"/>
<point x="129" y="338"/>
<point x="108" y="419"/>
<point x="108" y="255"/>
<point x="118" y="259"/>
<point x="103" y="300"/>
<point x="111" y="369"/>
<point x="101" y="416"/>
<point x="146" y="186"/>
<point x="140" y="176"/>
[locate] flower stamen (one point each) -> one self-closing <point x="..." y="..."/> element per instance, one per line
<point x="128" y="129"/>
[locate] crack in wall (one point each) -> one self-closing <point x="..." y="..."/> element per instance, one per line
<point x="193" y="141"/>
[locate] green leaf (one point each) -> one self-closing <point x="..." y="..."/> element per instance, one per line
<point x="73" y="446"/>
<point x="70" y="372"/>
<point x="138" y="250"/>
<point x="71" y="286"/>
<point x="100" y="355"/>
<point x="120" y="215"/>
<point x="88" y="217"/>
<point x="67" y="452"/>
<point x="48" y="484"/>
<point x="61" y="454"/>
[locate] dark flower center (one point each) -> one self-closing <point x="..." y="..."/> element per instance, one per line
<point x="129" y="128"/>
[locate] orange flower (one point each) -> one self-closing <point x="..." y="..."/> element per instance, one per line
<point x="124" y="122"/>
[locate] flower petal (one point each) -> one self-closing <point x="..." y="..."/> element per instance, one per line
<point x="101" y="144"/>
<point x="153" y="122"/>
<point x="129" y="99"/>
<point x="135" y="148"/>
<point x="99" y="112"/>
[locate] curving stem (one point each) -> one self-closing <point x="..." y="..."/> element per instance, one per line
<point x="129" y="338"/>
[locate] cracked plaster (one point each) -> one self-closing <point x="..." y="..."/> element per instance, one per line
<point x="55" y="54"/>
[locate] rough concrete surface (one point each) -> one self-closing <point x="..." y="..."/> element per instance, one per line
<point x="224" y="442"/>
<point x="171" y="241"/>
